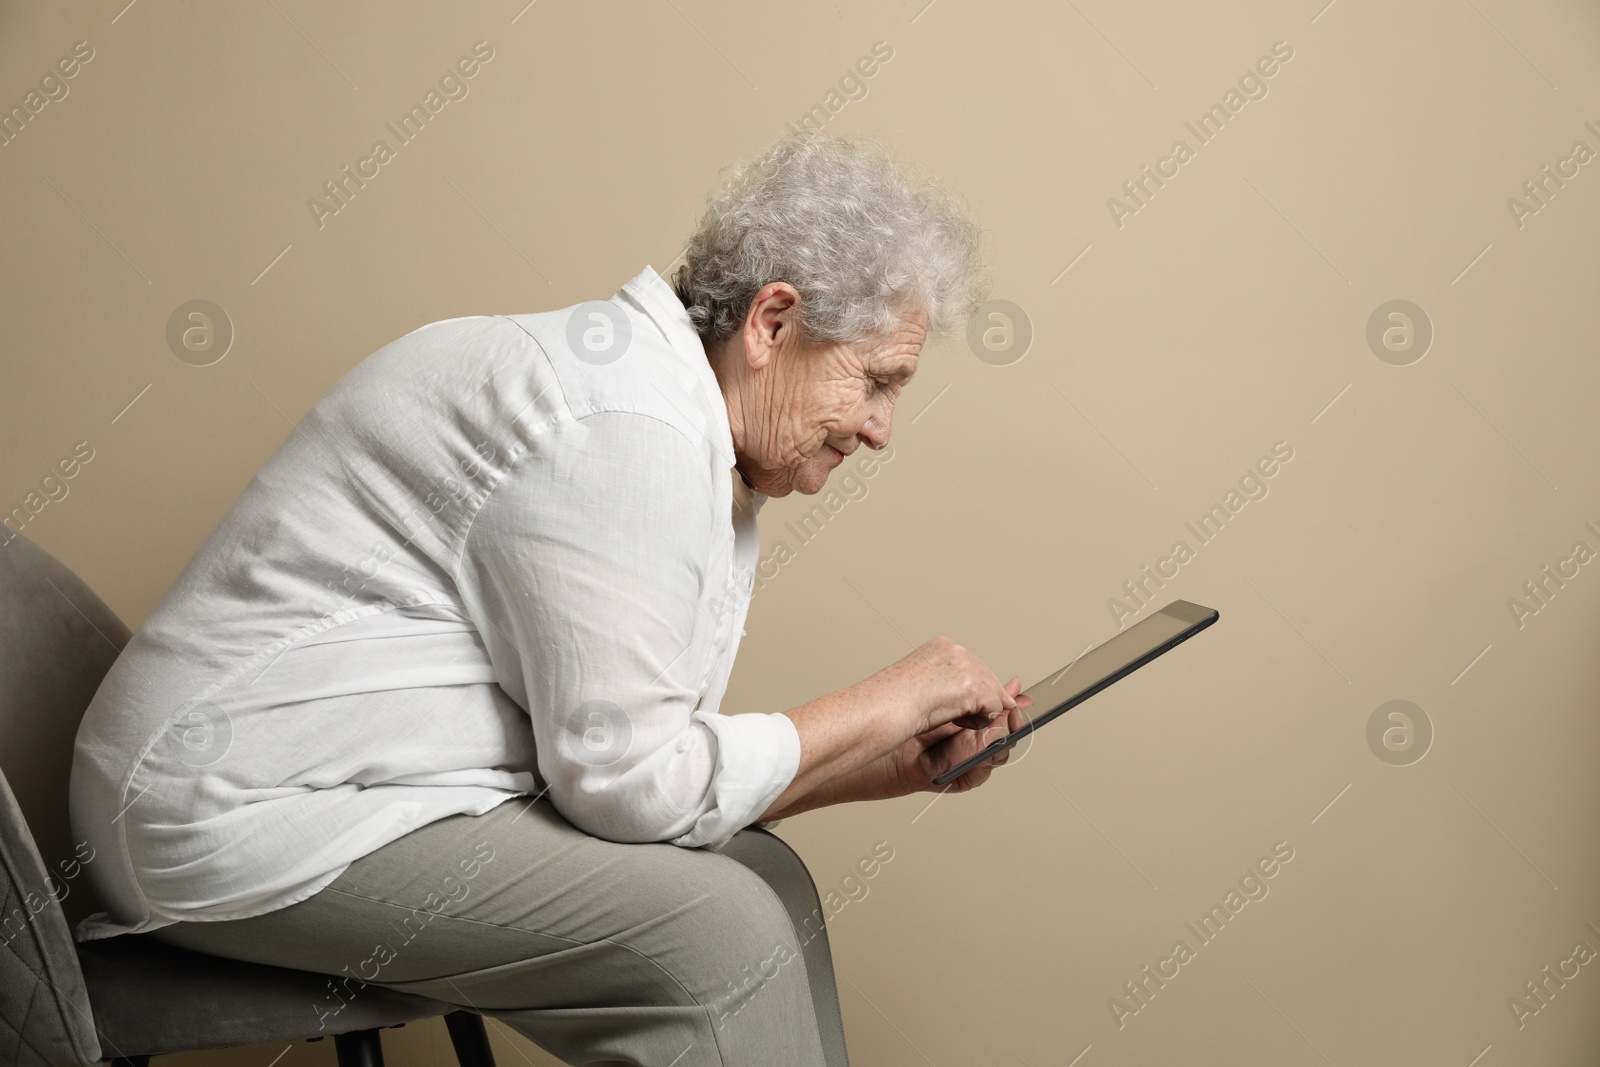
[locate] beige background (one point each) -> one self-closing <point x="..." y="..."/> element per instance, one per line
<point x="1228" y="314"/>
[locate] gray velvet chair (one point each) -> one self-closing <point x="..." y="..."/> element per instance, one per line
<point x="126" y="998"/>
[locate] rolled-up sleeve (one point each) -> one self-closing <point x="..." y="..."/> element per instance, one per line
<point x="585" y="573"/>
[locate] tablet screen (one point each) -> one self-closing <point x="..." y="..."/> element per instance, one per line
<point x="1097" y="668"/>
<point x="1101" y="662"/>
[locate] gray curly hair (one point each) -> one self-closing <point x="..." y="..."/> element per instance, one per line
<point x="864" y="239"/>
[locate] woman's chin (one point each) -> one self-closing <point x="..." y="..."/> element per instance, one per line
<point x="810" y="478"/>
<point x="814" y="480"/>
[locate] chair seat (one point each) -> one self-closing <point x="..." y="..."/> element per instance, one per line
<point x="151" y="998"/>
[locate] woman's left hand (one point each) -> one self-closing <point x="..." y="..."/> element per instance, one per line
<point x="933" y="753"/>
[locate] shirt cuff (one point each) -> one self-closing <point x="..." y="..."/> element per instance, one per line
<point x="757" y="757"/>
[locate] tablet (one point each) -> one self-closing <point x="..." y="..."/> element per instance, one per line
<point x="1098" y="668"/>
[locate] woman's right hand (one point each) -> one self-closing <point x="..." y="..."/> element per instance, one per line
<point x="890" y="733"/>
<point x="943" y="682"/>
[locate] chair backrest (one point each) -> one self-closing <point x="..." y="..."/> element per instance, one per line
<point x="57" y="640"/>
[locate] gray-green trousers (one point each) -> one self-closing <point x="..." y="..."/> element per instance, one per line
<point x="599" y="952"/>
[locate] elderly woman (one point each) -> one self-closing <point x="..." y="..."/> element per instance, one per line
<point x="508" y="558"/>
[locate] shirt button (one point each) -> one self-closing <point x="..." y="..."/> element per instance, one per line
<point x="683" y="744"/>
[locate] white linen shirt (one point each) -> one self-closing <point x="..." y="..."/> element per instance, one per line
<point x="505" y="555"/>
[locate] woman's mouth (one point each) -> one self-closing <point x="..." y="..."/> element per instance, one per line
<point x="837" y="453"/>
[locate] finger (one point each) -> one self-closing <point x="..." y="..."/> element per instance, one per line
<point x="1020" y="704"/>
<point x="975" y="744"/>
<point x="954" y="750"/>
<point x="980" y="774"/>
<point x="1005" y="753"/>
<point x="975" y="777"/>
<point x="982" y="739"/>
<point x="1018" y="717"/>
<point x="939" y="733"/>
<point x="990" y="709"/>
<point x="999" y="701"/>
<point x="966" y="744"/>
<point x="996" y="701"/>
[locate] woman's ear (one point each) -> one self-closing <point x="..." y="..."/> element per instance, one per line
<point x="772" y="322"/>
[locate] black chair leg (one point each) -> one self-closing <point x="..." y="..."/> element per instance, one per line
<point x="470" y="1039"/>
<point x="363" y="1048"/>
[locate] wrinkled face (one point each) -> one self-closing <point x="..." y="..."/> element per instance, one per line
<point x="797" y="408"/>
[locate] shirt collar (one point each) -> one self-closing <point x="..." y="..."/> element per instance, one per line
<point x="742" y="493"/>
<point x="652" y="293"/>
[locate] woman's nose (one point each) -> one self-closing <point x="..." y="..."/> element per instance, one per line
<point x="875" y="433"/>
